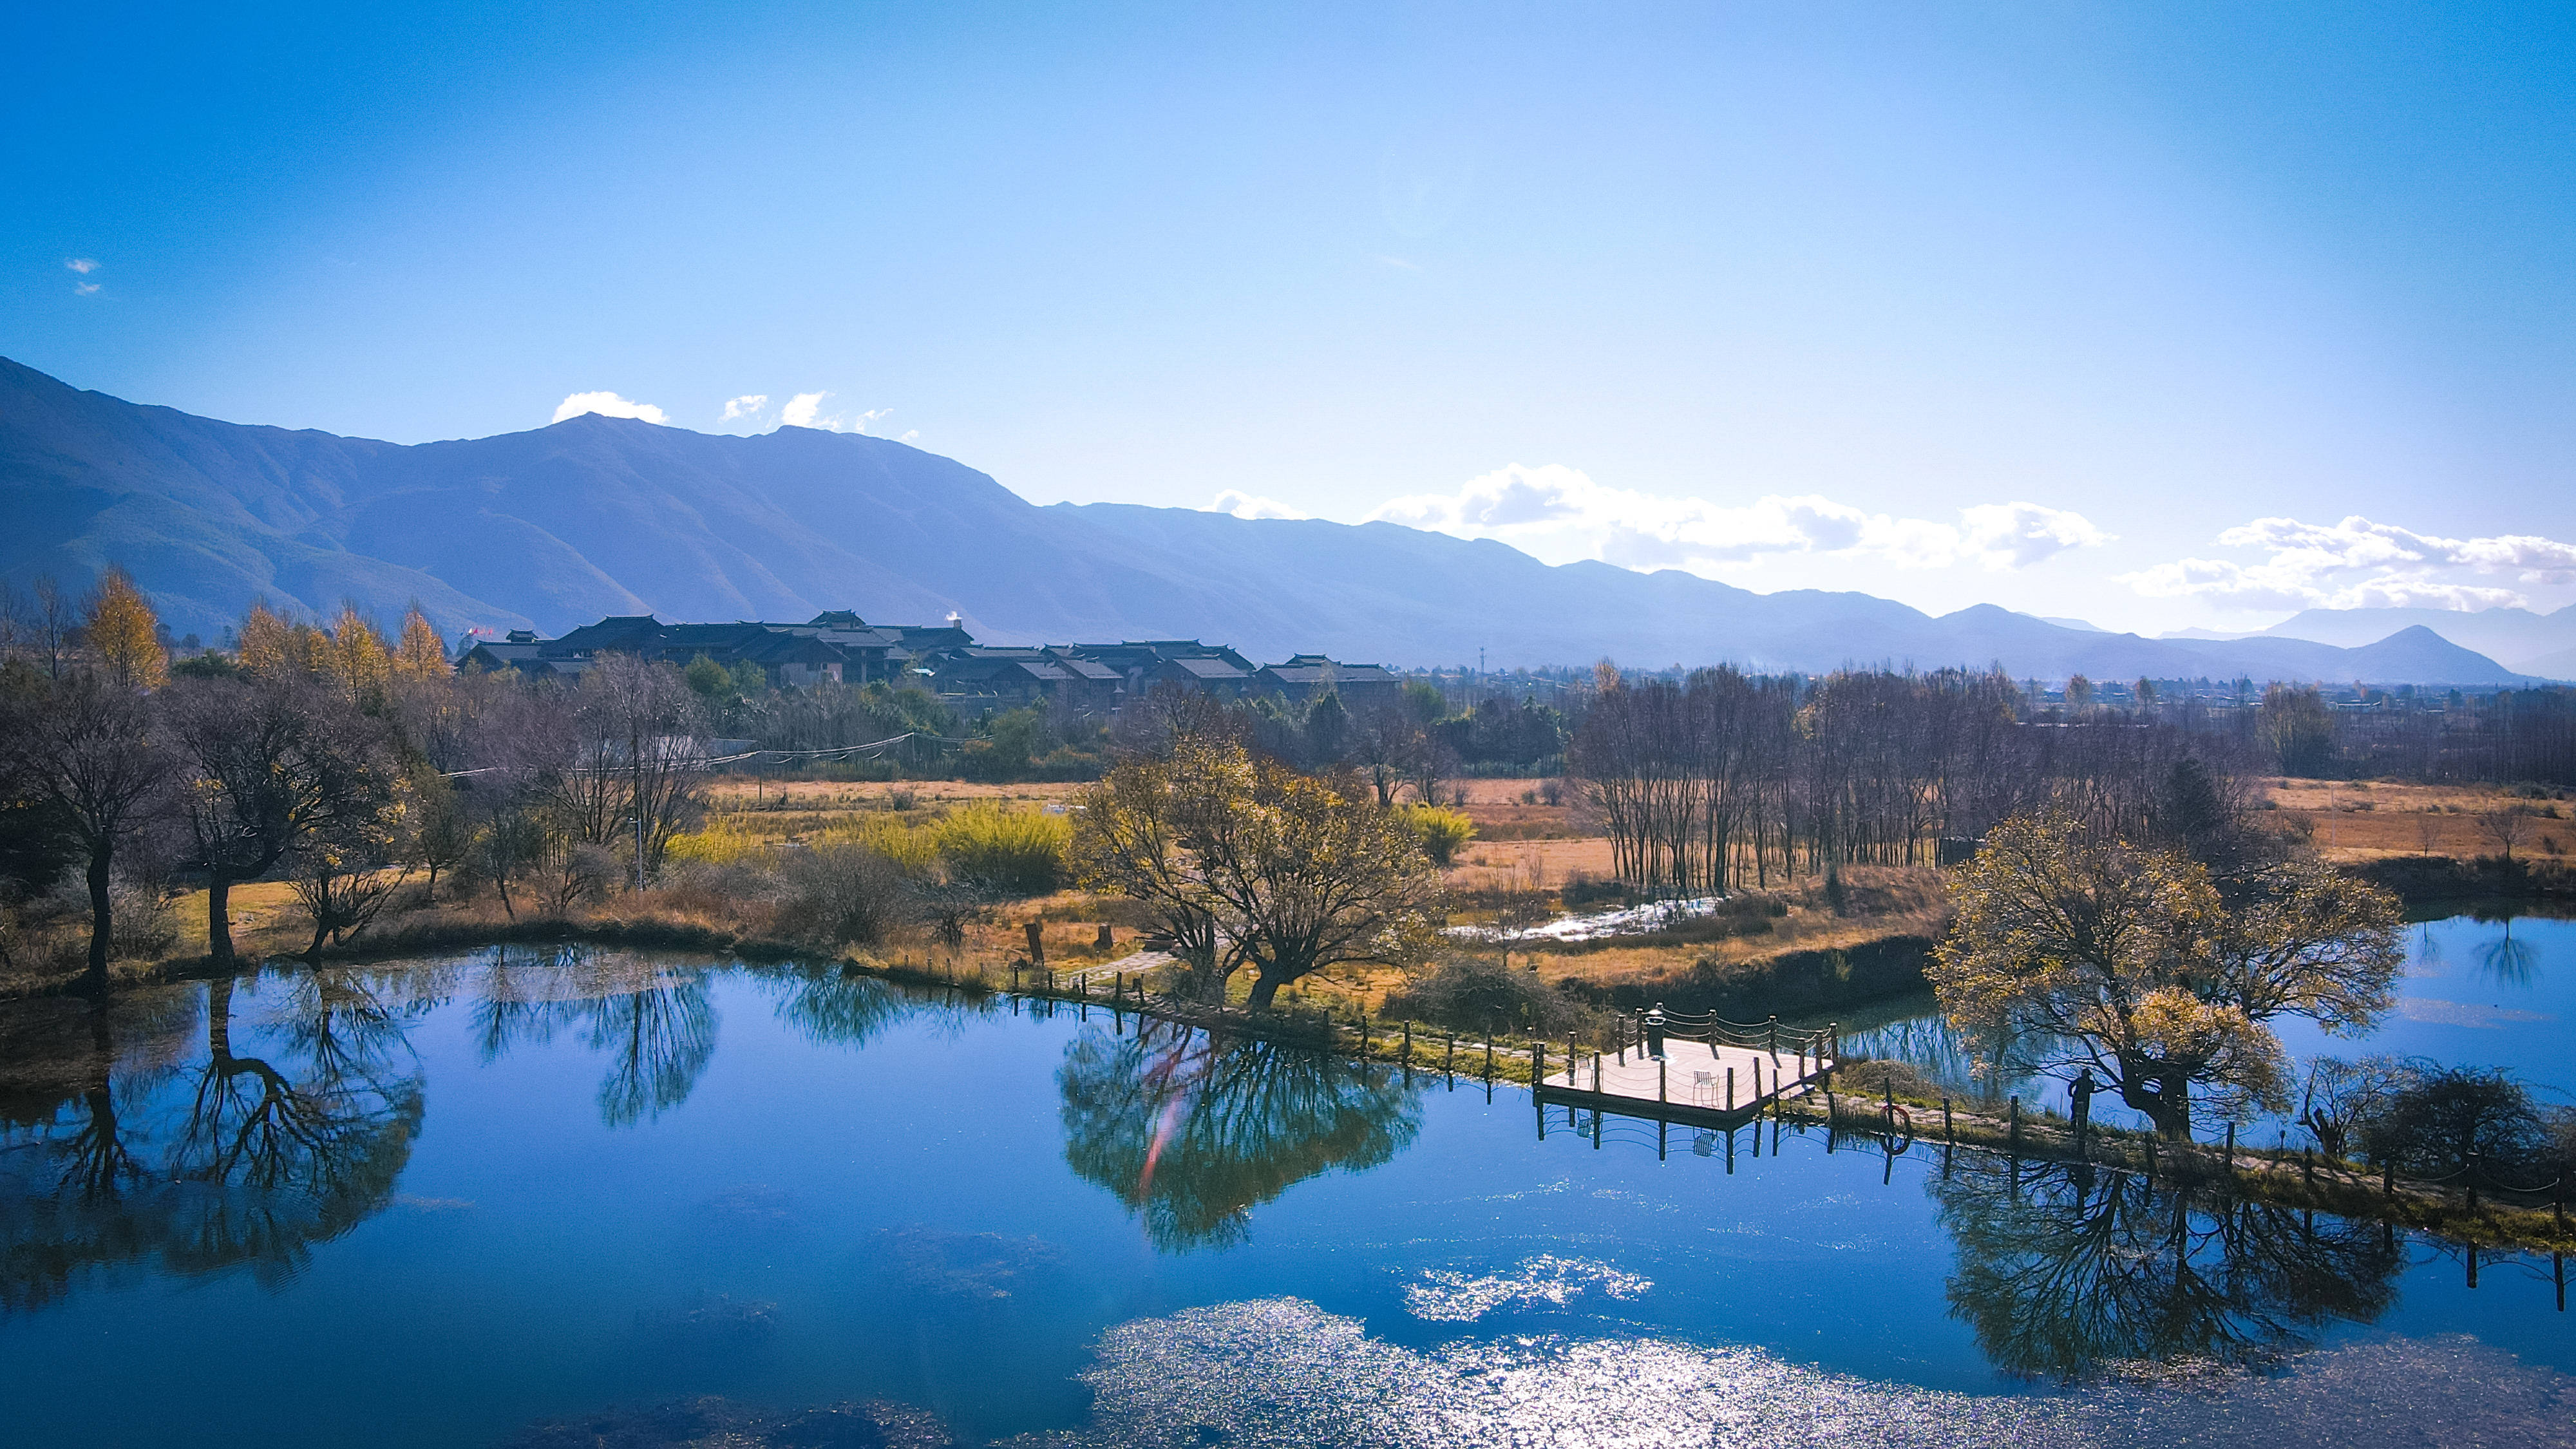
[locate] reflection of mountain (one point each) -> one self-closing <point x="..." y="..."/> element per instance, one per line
<point x="240" y="1160"/>
<point x="1194" y="1130"/>
<point x="2063" y="1270"/>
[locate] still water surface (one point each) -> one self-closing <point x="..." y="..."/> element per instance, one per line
<point x="432" y="1204"/>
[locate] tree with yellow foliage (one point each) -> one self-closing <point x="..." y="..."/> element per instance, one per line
<point x="265" y="644"/>
<point x="356" y="658"/>
<point x="1246" y="861"/>
<point x="124" y="635"/>
<point x="2084" y="953"/>
<point x="420" y="655"/>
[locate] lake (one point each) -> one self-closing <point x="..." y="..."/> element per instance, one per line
<point x="439" y="1203"/>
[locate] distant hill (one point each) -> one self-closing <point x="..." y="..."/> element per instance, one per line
<point x="560" y="525"/>
<point x="2518" y="638"/>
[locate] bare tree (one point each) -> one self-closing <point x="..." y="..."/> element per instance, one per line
<point x="2505" y="826"/>
<point x="268" y="765"/>
<point x="645" y="721"/>
<point x="88" y="751"/>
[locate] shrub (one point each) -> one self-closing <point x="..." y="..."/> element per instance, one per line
<point x="1011" y="852"/>
<point x="1471" y="994"/>
<point x="915" y="848"/>
<point x="1440" y="831"/>
<point x="720" y="843"/>
<point x="1582" y="890"/>
<point x="2435" y="1115"/>
<point x="1874" y="1077"/>
<point x="141" y="925"/>
<point x="846" y="895"/>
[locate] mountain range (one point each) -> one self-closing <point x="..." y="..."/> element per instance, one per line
<point x="557" y="526"/>
<point x="2542" y="644"/>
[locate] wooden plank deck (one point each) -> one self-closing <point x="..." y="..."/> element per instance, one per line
<point x="1689" y="1083"/>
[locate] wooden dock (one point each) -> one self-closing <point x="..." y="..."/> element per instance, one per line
<point x="1715" y="1084"/>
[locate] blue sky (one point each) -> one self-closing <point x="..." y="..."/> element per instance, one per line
<point x="2117" y="312"/>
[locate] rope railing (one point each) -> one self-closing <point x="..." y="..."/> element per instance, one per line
<point x="709" y="762"/>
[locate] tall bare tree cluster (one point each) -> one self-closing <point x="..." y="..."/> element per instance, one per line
<point x="1722" y="779"/>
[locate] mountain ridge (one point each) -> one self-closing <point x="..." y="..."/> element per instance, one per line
<point x="557" y="526"/>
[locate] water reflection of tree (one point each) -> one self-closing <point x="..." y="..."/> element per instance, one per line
<point x="1193" y="1130"/>
<point x="659" y="1034"/>
<point x="2063" y="1270"/>
<point x="834" y="1007"/>
<point x="1928" y="1042"/>
<point x="2509" y="962"/>
<point x="240" y="1159"/>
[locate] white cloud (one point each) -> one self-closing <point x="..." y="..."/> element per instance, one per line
<point x="749" y="405"/>
<point x="83" y="265"/>
<point x="609" y="405"/>
<point x="1247" y="505"/>
<point x="2360" y="564"/>
<point x="1646" y="530"/>
<point x="805" y="411"/>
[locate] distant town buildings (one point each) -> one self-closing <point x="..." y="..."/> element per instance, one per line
<point x="839" y="646"/>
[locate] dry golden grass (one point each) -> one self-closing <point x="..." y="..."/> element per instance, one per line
<point x="2368" y="819"/>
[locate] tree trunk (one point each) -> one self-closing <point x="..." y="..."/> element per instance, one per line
<point x="219" y="916"/>
<point x="1264" y="987"/>
<point x="101" y="923"/>
<point x="2166" y="1099"/>
<point x="219" y="1019"/>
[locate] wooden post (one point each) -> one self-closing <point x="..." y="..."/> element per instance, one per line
<point x="2013" y="1128"/>
<point x="1037" y="942"/>
<point x="1946" y="1134"/>
<point x="2308" y="1166"/>
<point x="1408" y="1043"/>
<point x="1662" y="1093"/>
<point x="2231" y="1149"/>
<point x="1538" y="1065"/>
<point x="2469" y="1176"/>
<point x="1775" y="1037"/>
<point x="2151" y="1157"/>
<point x="2388" y="1179"/>
<point x="1596" y="1071"/>
<point x="1489" y="1058"/>
<point x="1730" y="1097"/>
